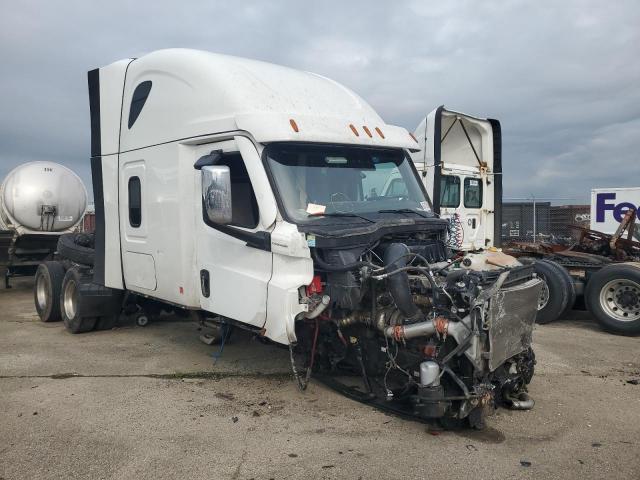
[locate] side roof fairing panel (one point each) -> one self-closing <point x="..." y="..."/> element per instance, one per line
<point x="105" y="103"/>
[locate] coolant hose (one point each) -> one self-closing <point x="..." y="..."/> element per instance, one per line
<point x="395" y="257"/>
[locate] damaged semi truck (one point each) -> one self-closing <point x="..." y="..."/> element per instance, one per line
<point x="254" y="195"/>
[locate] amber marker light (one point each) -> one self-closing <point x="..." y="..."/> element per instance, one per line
<point x="294" y="125"/>
<point x="353" y="129"/>
<point x="380" y="132"/>
<point x="367" y="131"/>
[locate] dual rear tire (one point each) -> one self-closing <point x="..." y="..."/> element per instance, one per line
<point x="58" y="296"/>
<point x="558" y="293"/>
<point x="612" y="295"/>
<point x="71" y="303"/>
<point x="48" y="284"/>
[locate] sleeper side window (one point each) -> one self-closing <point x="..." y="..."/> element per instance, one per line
<point x="138" y="99"/>
<point x="472" y="192"/>
<point x="244" y="205"/>
<point x="449" y="191"/>
<point x="135" y="202"/>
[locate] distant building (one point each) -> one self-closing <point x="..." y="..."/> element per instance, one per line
<point x="552" y="223"/>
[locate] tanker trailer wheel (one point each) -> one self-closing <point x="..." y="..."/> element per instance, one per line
<point x="70" y="302"/>
<point x="613" y="297"/>
<point x="46" y="291"/>
<point x="554" y="296"/>
<point x="77" y="247"/>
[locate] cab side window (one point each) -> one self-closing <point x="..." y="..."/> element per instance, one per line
<point x="449" y="191"/>
<point x="472" y="192"/>
<point x="138" y="100"/>
<point x="244" y="205"/>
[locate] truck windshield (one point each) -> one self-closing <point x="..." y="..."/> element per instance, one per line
<point x="316" y="181"/>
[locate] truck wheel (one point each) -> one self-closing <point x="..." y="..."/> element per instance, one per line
<point x="46" y="290"/>
<point x="107" y="322"/>
<point x="568" y="281"/>
<point x="75" y="247"/>
<point x="554" y="296"/>
<point x="70" y="300"/>
<point x="613" y="297"/>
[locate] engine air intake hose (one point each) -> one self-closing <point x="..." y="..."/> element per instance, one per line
<point x="395" y="257"/>
<point x="327" y="267"/>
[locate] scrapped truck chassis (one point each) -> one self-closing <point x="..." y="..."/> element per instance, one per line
<point x="596" y="264"/>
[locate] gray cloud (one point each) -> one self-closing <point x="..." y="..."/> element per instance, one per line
<point x="562" y="77"/>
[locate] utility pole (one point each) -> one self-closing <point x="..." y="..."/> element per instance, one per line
<point x="533" y="198"/>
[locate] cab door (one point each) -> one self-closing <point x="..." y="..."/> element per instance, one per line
<point x="139" y="267"/>
<point x="234" y="260"/>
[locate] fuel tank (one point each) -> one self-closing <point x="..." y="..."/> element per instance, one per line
<point x="41" y="197"/>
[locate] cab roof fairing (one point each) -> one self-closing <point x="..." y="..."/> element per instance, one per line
<point x="197" y="93"/>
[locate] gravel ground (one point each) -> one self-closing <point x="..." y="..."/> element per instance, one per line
<point x="152" y="403"/>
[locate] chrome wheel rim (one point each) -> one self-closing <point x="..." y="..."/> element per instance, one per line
<point x="42" y="291"/>
<point x="70" y="307"/>
<point x="620" y="299"/>
<point x="543" y="298"/>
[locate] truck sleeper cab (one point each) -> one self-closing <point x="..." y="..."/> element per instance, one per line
<point x="256" y="195"/>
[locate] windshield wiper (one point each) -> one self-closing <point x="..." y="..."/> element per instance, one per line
<point x="343" y="214"/>
<point x="403" y="210"/>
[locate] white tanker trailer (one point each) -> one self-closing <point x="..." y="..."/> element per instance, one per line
<point x="39" y="201"/>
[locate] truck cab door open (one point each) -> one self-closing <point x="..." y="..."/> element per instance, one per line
<point x="461" y="166"/>
<point x="234" y="260"/>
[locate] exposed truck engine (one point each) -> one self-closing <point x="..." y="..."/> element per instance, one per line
<point x="400" y="324"/>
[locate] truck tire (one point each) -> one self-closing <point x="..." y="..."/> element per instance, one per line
<point x="70" y="300"/>
<point x="46" y="291"/>
<point x="77" y="248"/>
<point x="571" y="288"/>
<point x="613" y="297"/>
<point x="554" y="296"/>
<point x="107" y="322"/>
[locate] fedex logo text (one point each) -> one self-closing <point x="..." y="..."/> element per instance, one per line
<point x="606" y="202"/>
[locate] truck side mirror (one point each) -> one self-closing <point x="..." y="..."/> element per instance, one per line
<point x="216" y="193"/>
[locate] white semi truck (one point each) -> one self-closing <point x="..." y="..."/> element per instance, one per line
<point x="258" y="196"/>
<point x="39" y="201"/>
<point x="460" y="161"/>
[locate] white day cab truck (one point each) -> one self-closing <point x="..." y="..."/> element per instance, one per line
<point x="39" y="202"/>
<point x="256" y="196"/>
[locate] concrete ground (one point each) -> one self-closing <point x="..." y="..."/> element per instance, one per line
<point x="151" y="403"/>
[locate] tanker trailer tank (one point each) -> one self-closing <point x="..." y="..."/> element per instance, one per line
<point x="39" y="201"/>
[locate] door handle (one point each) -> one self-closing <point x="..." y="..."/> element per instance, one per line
<point x="205" y="284"/>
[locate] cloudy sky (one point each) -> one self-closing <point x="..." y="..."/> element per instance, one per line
<point x="562" y="77"/>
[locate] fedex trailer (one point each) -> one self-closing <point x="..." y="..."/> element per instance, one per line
<point x="609" y="206"/>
